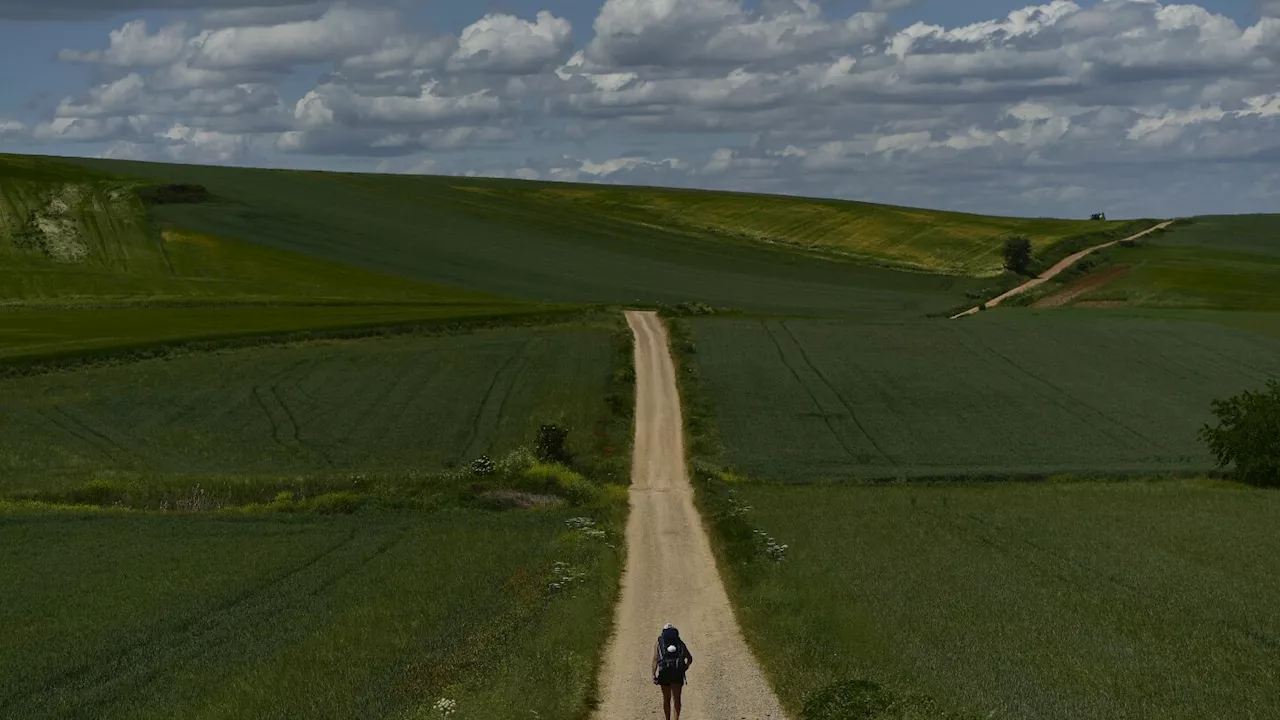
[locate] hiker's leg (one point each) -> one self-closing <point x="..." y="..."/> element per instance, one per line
<point x="666" y="702"/>
<point x="676" y="690"/>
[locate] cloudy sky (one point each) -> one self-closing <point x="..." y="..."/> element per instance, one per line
<point x="1134" y="107"/>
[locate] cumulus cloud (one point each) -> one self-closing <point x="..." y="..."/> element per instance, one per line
<point x="891" y="5"/>
<point x="340" y="32"/>
<point x="131" y="46"/>
<point x="676" y="33"/>
<point x="1023" y="111"/>
<point x="506" y="44"/>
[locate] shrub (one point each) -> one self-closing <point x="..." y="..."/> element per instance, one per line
<point x="338" y="502"/>
<point x="564" y="482"/>
<point x="95" y="492"/>
<point x="174" y="194"/>
<point x="483" y="466"/>
<point x="552" y="444"/>
<point x="1017" y="254"/>
<point x="1248" y="435"/>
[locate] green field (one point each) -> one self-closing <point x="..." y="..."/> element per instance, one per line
<point x="1004" y="393"/>
<point x="1060" y="600"/>
<point x="544" y="242"/>
<point x="296" y="530"/>
<point x="385" y="405"/>
<point x="84" y="266"/>
<point x="1225" y="263"/>
<point x="139" y="615"/>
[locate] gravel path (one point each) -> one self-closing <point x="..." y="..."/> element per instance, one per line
<point x="671" y="572"/>
<point x="1053" y="271"/>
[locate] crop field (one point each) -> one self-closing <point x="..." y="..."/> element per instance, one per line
<point x="422" y="403"/>
<point x="125" y="614"/>
<point x="1118" y="600"/>
<point x="42" y="334"/>
<point x="496" y="237"/>
<point x="1225" y="263"/>
<point x="1002" y="393"/>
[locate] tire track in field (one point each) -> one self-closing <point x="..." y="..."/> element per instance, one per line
<point x="297" y="430"/>
<point x="503" y="382"/>
<point x="832" y="388"/>
<point x="103" y="437"/>
<point x="91" y="678"/>
<point x="229" y="622"/>
<point x="828" y="417"/>
<point x="48" y="415"/>
<point x="817" y="405"/>
<point x="1058" y="393"/>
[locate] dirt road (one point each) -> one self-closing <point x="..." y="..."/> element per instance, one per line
<point x="671" y="573"/>
<point x="1053" y="271"/>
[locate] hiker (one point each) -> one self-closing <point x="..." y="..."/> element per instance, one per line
<point x="671" y="659"/>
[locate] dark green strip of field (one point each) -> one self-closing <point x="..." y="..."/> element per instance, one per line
<point x="386" y="405"/>
<point x="46" y="334"/>
<point x="1060" y="600"/>
<point x="999" y="394"/>
<point x="111" y="614"/>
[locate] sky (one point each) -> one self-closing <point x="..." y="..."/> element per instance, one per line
<point x="1065" y="108"/>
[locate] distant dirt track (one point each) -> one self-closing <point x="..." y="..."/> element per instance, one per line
<point x="1053" y="271"/>
<point x="671" y="572"/>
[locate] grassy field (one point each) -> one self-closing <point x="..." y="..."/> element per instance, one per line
<point x="386" y="405"/>
<point x="511" y="239"/>
<point x="1222" y="263"/>
<point x="1002" y="393"/>
<point x="1080" y="600"/>
<point x="85" y="267"/>
<point x="140" y="615"/>
<point x="297" y="530"/>
<point x="915" y="238"/>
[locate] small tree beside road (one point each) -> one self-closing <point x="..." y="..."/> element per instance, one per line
<point x="1017" y="254"/>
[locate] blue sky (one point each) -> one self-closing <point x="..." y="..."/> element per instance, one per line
<point x="1136" y="107"/>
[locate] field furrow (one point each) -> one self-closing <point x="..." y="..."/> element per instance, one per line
<point x="1007" y="394"/>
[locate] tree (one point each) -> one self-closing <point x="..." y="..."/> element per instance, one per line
<point x="1017" y="254"/>
<point x="1248" y="435"/>
<point x="552" y="445"/>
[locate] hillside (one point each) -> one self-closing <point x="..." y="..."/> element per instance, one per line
<point x="1228" y="263"/>
<point x="84" y="266"/>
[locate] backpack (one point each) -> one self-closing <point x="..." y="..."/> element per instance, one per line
<point x="670" y="664"/>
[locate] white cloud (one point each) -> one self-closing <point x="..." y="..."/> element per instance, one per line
<point x="334" y="104"/>
<point x="91" y="129"/>
<point x="891" y="5"/>
<point x="339" y="33"/>
<point x="506" y="44"/>
<point x="131" y="46"/>
<point x="675" y="33"/>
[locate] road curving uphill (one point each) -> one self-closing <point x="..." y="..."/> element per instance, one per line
<point x="1053" y="272"/>
<point x="671" y="572"/>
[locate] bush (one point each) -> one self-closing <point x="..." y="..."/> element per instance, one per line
<point x="563" y="482"/>
<point x="336" y="502"/>
<point x="1017" y="254"/>
<point x="483" y="466"/>
<point x="1248" y="435"/>
<point x="174" y="194"/>
<point x="552" y="444"/>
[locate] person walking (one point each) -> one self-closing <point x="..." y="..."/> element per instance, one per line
<point x="671" y="660"/>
